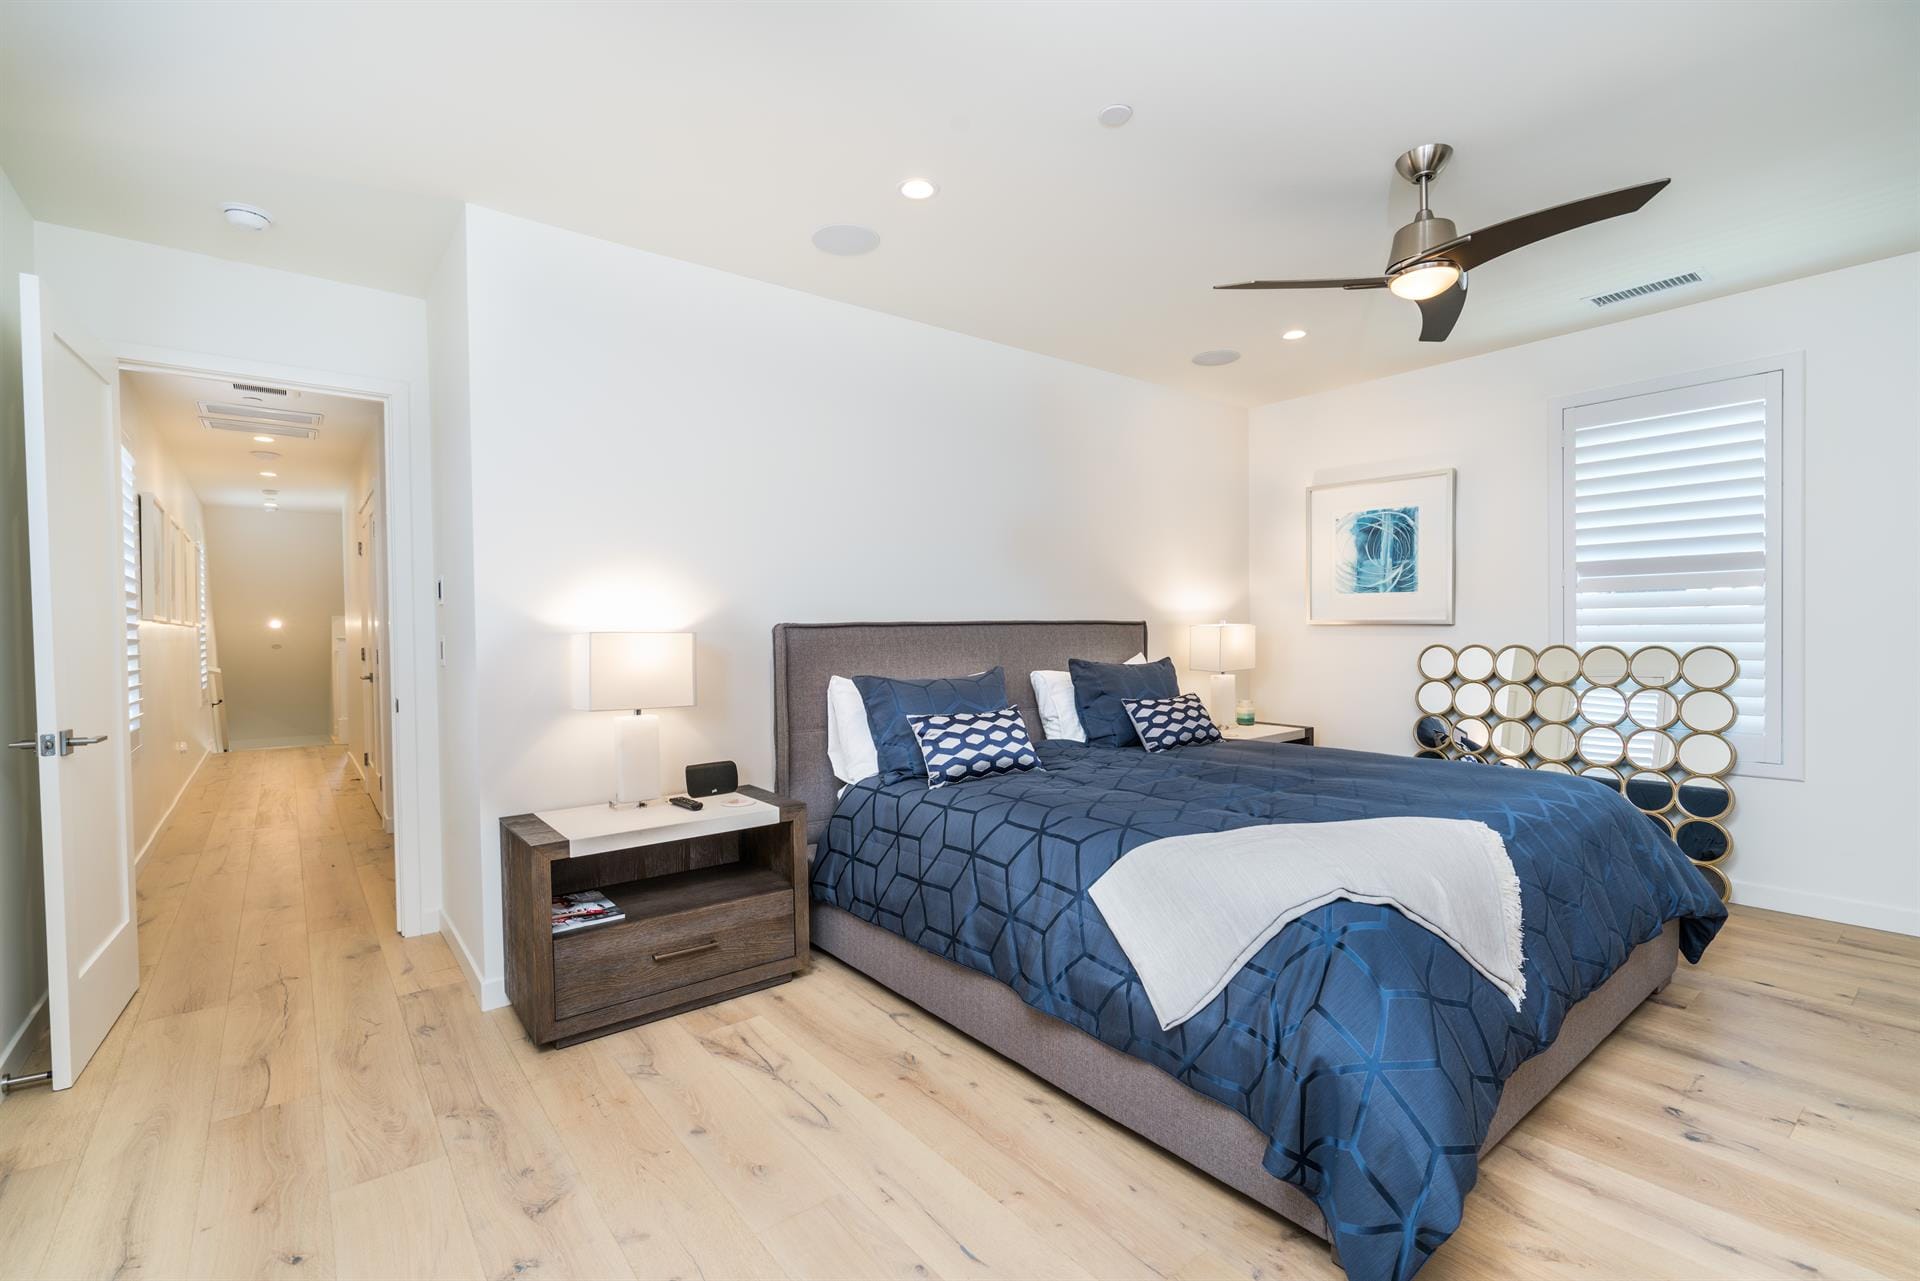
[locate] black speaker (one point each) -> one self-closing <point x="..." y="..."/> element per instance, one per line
<point x="712" y="778"/>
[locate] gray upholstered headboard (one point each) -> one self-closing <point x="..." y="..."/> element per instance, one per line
<point x="806" y="654"/>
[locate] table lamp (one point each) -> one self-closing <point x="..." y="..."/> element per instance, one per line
<point x="631" y="672"/>
<point x="1223" y="649"/>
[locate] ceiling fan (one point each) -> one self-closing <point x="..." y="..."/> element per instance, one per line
<point x="1429" y="261"/>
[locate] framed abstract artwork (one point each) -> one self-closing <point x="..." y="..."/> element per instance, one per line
<point x="1381" y="551"/>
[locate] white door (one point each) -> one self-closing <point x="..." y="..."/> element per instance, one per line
<point x="80" y="681"/>
<point x="372" y="637"/>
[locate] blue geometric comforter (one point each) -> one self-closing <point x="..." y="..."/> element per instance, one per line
<point x="1370" y="1053"/>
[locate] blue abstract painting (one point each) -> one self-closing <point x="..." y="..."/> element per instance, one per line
<point x="1377" y="551"/>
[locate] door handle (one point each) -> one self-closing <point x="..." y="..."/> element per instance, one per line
<point x="678" y="952"/>
<point x="26" y="745"/>
<point x="367" y="677"/>
<point x="69" y="740"/>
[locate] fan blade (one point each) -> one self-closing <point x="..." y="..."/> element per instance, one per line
<point x="1489" y="243"/>
<point x="1438" y="313"/>
<point x="1363" y="282"/>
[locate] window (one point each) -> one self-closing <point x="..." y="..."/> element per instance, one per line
<point x="201" y="552"/>
<point x="130" y="586"/>
<point x="1681" y="527"/>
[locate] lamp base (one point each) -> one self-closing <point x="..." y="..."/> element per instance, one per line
<point x="636" y="761"/>
<point x="1221" y="697"/>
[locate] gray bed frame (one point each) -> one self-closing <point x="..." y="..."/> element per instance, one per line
<point x="1139" y="1096"/>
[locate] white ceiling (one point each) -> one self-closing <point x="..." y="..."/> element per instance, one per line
<point x="1262" y="146"/>
<point x="314" y="475"/>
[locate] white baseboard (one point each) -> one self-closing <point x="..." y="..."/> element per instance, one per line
<point x="492" y="992"/>
<point x="268" y="744"/>
<point x="172" y="805"/>
<point x="13" y="1057"/>
<point x="1828" y="907"/>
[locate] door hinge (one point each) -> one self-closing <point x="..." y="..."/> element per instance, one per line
<point x="396" y="707"/>
<point x="363" y="653"/>
<point x="359" y="548"/>
<point x="365" y="759"/>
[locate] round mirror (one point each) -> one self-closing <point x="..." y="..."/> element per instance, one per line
<point x="1471" y="734"/>
<point x="1602" y="774"/>
<point x="1514" y="663"/>
<point x="1552" y="767"/>
<point x="1661" y="825"/>
<point x="1555" y="703"/>
<point x="1553" y="742"/>
<point x="1702" y="840"/>
<point x="1651" y="749"/>
<point x="1475" y="662"/>
<point x="1432" y="732"/>
<point x="1509" y="760"/>
<point x="1706" y="754"/>
<point x="1709" y="667"/>
<point x="1602" y="745"/>
<point x="1655" y="666"/>
<point x="1434" y="696"/>
<point x="1715" y="878"/>
<point x="1512" y="738"/>
<point x="1429" y="756"/>
<point x="1515" y="702"/>
<point x="1473" y="699"/>
<point x="1603" y="705"/>
<point x="1650" y="790"/>
<point x="1707" y="710"/>
<point x="1706" y="797"/>
<point x="1436" y="662"/>
<point x="1558" y="665"/>
<point x="1604" y="665"/>
<point x="1653" y="709"/>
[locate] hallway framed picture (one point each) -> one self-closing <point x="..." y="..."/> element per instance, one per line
<point x="1381" y="550"/>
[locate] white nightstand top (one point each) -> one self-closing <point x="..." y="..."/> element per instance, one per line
<point x="1278" y="733"/>
<point x="595" y="829"/>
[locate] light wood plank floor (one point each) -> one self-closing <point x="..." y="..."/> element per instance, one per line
<point x="297" y="1091"/>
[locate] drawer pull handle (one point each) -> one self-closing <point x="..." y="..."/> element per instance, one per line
<point x="679" y="952"/>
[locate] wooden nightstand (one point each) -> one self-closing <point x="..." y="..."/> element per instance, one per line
<point x="1268" y="731"/>
<point x="715" y="903"/>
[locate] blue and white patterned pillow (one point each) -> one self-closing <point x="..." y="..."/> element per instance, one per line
<point x="1162" y="723"/>
<point x="964" y="745"/>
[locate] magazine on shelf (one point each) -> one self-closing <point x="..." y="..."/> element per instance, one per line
<point x="584" y="910"/>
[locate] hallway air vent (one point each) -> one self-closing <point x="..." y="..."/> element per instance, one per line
<point x="256" y="387"/>
<point x="282" y="430"/>
<point x="258" y="414"/>
<point x="1651" y="287"/>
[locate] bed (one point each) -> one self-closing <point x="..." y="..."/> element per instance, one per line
<point x="1350" y="1075"/>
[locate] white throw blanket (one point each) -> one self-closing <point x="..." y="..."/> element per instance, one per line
<point x="1191" y="910"/>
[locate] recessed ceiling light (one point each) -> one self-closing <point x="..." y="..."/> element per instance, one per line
<point x="1116" y="115"/>
<point x="1219" y="357"/>
<point x="846" y="240"/>
<point x="275" y="624"/>
<point x="248" y="217"/>
<point x="271" y="493"/>
<point x="265" y="455"/>
<point x="918" y="189"/>
<point x="270" y="474"/>
<point x="264" y="440"/>
<point x="1293" y="335"/>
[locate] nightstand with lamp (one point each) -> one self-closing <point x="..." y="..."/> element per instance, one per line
<point x="631" y="672"/>
<point x="1224" y="648"/>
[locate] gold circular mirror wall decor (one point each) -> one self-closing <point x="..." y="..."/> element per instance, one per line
<point x="1717" y="879"/>
<point x="1603" y="705"/>
<point x="1473" y="699"/>
<point x="1434" y="696"/>
<point x="1512" y="739"/>
<point x="1558" y="665"/>
<point x="1653" y="709"/>
<point x="1604" y="665"/>
<point x="1603" y="774"/>
<point x="1703" y="840"/>
<point x="1510" y="761"/>
<point x="1705" y="797"/>
<point x="1651" y="749"/>
<point x="1556" y="703"/>
<point x="1708" y="710"/>
<point x="1515" y="663"/>
<point x="1661" y="824"/>
<point x="1650" y="791"/>
<point x="1436" y="662"/>
<point x="1552" y="767"/>
<point x="1432" y="733"/>
<point x="1709" y="667"/>
<point x="1705" y="754"/>
<point x="1472" y="734"/>
<point x="1475" y="663"/>
<point x="1602" y="745"/>
<point x="1514" y="702"/>
<point x="1654" y="667"/>
<point x="1553" y="742"/>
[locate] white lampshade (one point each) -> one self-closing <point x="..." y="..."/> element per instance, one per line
<point x="1220" y="647"/>
<point x="629" y="671"/>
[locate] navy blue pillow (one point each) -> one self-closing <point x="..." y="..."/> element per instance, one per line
<point x="890" y="700"/>
<point x="1098" y="691"/>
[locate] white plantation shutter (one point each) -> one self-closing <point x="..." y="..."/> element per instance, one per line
<point x="1673" y="515"/>
<point x="130" y="586"/>
<point x="200" y="550"/>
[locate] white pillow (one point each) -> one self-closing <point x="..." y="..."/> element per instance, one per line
<point x="1059" y="716"/>
<point x="849" y="736"/>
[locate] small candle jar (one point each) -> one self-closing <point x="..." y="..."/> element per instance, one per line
<point x="1243" y="714"/>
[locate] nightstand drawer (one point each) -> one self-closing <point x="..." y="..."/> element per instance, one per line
<point x="616" y="963"/>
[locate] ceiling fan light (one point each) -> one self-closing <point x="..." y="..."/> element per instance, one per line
<point x="1427" y="280"/>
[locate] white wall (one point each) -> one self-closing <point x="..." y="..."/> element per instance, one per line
<point x="23" y="926"/>
<point x="285" y="565"/>
<point x="1845" y="843"/>
<point x="147" y="300"/>
<point x="660" y="445"/>
<point x="176" y="723"/>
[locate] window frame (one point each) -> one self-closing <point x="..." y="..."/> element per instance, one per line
<point x="1786" y="537"/>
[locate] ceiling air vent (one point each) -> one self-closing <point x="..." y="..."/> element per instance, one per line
<point x="267" y="391"/>
<point x="1651" y="287"/>
<point x="282" y="430"/>
<point x="259" y="414"/>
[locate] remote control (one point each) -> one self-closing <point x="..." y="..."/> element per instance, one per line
<point x="686" y="803"/>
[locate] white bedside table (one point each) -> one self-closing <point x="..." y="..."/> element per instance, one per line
<point x="1269" y="732"/>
